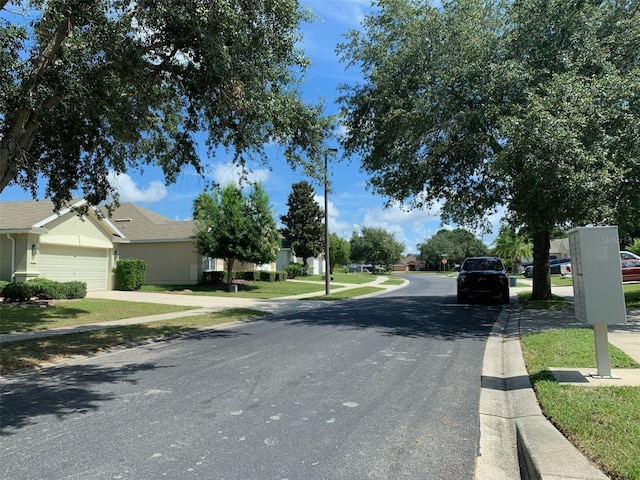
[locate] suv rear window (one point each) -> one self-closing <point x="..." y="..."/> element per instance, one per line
<point x="482" y="264"/>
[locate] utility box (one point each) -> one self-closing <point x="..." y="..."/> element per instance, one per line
<point x="597" y="275"/>
<point x="597" y="286"/>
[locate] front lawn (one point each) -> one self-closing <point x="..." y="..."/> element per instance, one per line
<point x="66" y="313"/>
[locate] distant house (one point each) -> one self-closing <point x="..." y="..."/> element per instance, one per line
<point x="316" y="265"/>
<point x="409" y="264"/>
<point x="559" y="247"/>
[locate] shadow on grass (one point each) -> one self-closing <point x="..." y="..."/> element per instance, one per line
<point x="21" y="319"/>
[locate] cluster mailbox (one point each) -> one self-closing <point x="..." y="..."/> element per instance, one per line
<point x="597" y="285"/>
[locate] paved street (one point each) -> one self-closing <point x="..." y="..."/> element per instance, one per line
<point x="382" y="387"/>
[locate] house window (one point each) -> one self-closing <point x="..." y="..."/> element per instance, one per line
<point x="209" y="264"/>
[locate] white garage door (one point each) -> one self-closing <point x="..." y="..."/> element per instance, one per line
<point x="66" y="264"/>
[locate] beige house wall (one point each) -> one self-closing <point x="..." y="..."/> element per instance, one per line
<point x="16" y="253"/>
<point x="168" y="263"/>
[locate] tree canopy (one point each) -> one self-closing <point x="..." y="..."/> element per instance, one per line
<point x="87" y="88"/>
<point x="236" y="227"/>
<point x="303" y="222"/>
<point x="375" y="246"/>
<point x="339" y="251"/>
<point x="456" y="244"/>
<point x="530" y="104"/>
<point x="512" y="245"/>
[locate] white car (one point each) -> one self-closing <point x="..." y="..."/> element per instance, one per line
<point x="624" y="255"/>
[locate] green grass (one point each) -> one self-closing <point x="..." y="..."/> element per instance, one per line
<point x="353" y="292"/>
<point x="632" y="295"/>
<point x="604" y="422"/>
<point x="35" y="352"/>
<point x="65" y="313"/>
<point x="259" y="290"/>
<point x="555" y="302"/>
<point x="351" y="278"/>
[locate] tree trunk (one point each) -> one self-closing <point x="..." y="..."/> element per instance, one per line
<point x="541" y="274"/>
<point x="230" y="262"/>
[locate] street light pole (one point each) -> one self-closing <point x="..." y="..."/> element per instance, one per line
<point x="327" y="288"/>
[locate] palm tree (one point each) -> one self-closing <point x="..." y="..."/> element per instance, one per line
<point x="512" y="245"/>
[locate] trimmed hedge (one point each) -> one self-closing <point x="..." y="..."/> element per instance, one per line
<point x="43" y="289"/>
<point x="218" y="277"/>
<point x="130" y="273"/>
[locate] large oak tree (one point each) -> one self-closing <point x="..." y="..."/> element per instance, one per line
<point x="530" y="104"/>
<point x="89" y="87"/>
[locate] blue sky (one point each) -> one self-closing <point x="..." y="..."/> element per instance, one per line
<point x="351" y="205"/>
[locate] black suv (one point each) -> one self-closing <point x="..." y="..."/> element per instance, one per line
<point x="483" y="276"/>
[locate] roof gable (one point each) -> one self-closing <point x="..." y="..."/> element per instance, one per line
<point x="141" y="225"/>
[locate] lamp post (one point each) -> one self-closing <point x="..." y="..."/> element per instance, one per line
<point x="327" y="288"/>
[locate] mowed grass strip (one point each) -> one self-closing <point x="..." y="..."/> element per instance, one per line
<point x="259" y="290"/>
<point x="603" y="422"/>
<point x="67" y="313"/>
<point x="350" y="278"/>
<point x="36" y="352"/>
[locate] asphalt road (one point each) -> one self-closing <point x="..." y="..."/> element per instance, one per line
<point x="384" y="387"/>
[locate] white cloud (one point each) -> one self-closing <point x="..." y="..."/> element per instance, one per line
<point x="225" y="173"/>
<point x="129" y="191"/>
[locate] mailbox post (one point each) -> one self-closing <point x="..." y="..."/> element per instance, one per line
<point x="597" y="286"/>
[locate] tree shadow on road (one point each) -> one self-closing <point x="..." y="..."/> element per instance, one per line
<point x="407" y="316"/>
<point x="62" y="392"/>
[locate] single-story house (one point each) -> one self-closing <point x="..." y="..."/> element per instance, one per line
<point x="36" y="242"/>
<point x="63" y="246"/>
<point x="409" y="264"/>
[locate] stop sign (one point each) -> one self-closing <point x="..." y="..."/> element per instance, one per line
<point x="444" y="261"/>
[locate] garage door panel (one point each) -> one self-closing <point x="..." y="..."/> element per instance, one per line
<point x="66" y="264"/>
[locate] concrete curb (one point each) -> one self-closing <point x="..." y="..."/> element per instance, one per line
<point x="510" y="418"/>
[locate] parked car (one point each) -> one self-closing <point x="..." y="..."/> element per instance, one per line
<point x="554" y="267"/>
<point x="624" y="255"/>
<point x="483" y="276"/>
<point x="630" y="270"/>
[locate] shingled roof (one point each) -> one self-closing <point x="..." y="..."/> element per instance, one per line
<point x="33" y="216"/>
<point x="141" y="225"/>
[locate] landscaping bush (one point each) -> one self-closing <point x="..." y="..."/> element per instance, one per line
<point x="267" y="276"/>
<point x="248" y="276"/>
<point x="75" y="289"/>
<point x="17" y="292"/>
<point x="281" y="276"/>
<point x="2" y="284"/>
<point x="294" y="270"/>
<point x="130" y="274"/>
<point x="46" y="289"/>
<point x="213" y="278"/>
